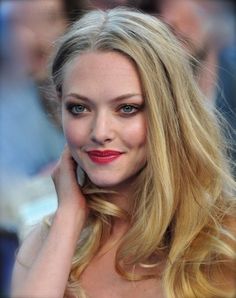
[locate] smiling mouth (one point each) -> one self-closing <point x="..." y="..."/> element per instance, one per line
<point x="103" y="157"/>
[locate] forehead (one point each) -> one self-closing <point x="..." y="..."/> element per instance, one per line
<point x="101" y="61"/>
<point x="102" y="70"/>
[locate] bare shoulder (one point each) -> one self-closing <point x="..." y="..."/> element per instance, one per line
<point x="32" y="244"/>
<point x="28" y="252"/>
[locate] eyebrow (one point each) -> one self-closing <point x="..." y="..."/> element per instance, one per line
<point x="116" y="99"/>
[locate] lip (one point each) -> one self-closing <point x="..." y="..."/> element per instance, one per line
<point x="103" y="157"/>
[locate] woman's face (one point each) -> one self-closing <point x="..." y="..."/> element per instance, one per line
<point x="103" y="117"/>
<point x="38" y="24"/>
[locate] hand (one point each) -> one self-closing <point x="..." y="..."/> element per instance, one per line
<point x="52" y="256"/>
<point x="66" y="185"/>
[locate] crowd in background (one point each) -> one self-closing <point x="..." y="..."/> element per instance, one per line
<point x="31" y="137"/>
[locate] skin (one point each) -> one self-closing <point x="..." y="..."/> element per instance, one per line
<point x="190" y="21"/>
<point x="105" y="4"/>
<point x="38" y="24"/>
<point x="107" y="89"/>
<point x="48" y="254"/>
<point x="102" y="77"/>
<point x="35" y="273"/>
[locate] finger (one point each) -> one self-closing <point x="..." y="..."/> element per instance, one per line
<point x="68" y="159"/>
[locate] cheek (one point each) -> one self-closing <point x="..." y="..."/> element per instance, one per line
<point x="135" y="134"/>
<point x="74" y="135"/>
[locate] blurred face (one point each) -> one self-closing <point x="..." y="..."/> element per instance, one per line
<point x="38" y="24"/>
<point x="188" y="19"/>
<point x="104" y="4"/>
<point x="104" y="119"/>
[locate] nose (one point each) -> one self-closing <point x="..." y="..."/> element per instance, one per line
<point x="102" y="129"/>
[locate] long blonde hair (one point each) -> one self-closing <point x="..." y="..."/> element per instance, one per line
<point x="185" y="194"/>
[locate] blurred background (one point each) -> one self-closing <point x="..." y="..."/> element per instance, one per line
<point x="31" y="137"/>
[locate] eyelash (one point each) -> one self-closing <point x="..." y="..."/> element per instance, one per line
<point x="135" y="109"/>
<point x="71" y="109"/>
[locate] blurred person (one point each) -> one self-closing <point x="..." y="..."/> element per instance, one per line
<point x="154" y="213"/>
<point x="190" y="23"/>
<point x="42" y="22"/>
<point x="32" y="138"/>
<point x="226" y="96"/>
<point x="9" y="243"/>
<point x="29" y="139"/>
<point x="108" y="4"/>
<point x="45" y="21"/>
<point x="223" y="17"/>
<point x="30" y="142"/>
<point x="207" y="31"/>
<point x="145" y="5"/>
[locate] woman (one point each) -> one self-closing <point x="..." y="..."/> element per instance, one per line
<point x="154" y="215"/>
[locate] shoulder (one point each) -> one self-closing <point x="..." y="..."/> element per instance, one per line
<point x="28" y="252"/>
<point x="32" y="244"/>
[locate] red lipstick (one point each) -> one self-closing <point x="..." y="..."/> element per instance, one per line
<point x="103" y="157"/>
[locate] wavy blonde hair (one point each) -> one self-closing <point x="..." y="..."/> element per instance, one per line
<point x="184" y="197"/>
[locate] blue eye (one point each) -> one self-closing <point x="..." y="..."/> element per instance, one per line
<point x="76" y="109"/>
<point x="128" y="109"/>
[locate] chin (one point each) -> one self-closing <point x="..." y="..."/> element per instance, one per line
<point x="105" y="183"/>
